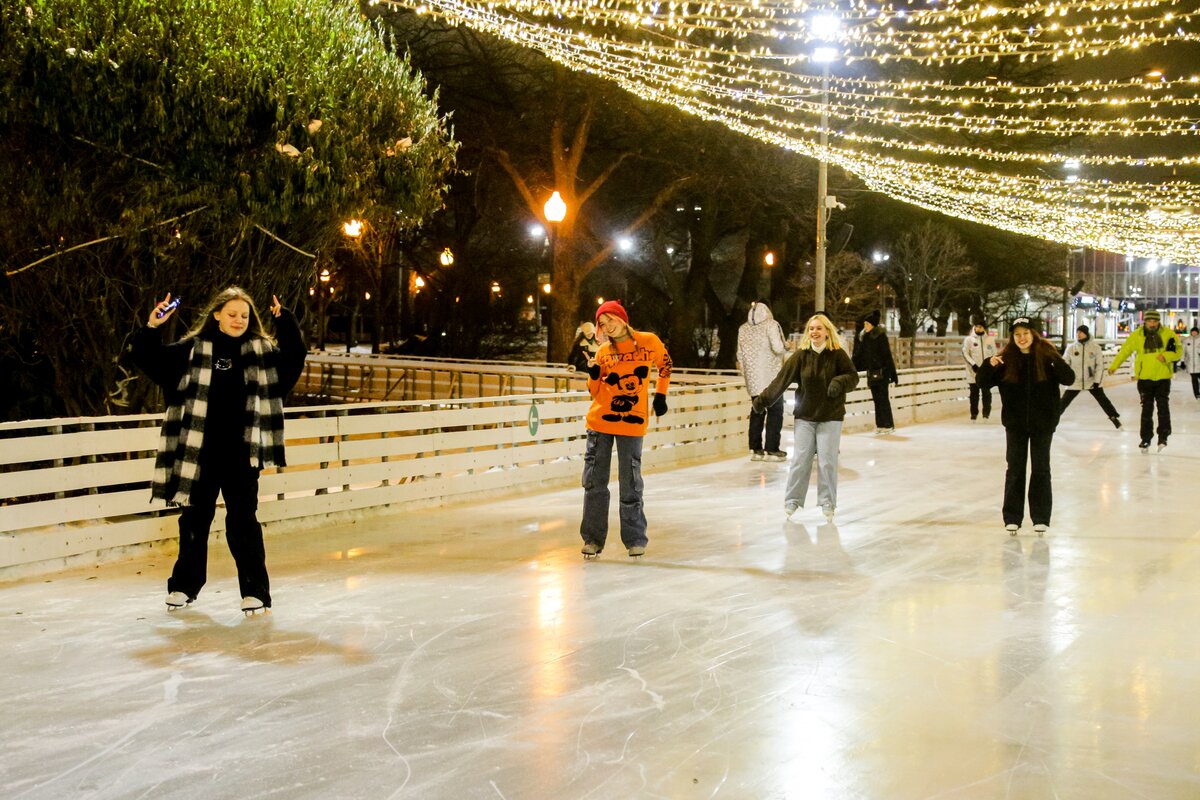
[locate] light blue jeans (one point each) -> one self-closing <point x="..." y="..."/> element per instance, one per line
<point x="820" y="439"/>
<point x="597" y="461"/>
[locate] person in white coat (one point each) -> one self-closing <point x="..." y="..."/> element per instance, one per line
<point x="1087" y="360"/>
<point x="760" y="351"/>
<point x="977" y="348"/>
<point x="1191" y="358"/>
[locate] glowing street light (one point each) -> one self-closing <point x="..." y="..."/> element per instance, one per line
<point x="555" y="208"/>
<point x="353" y="228"/>
<point x="446" y="257"/>
<point x="769" y="259"/>
<point x="546" y="288"/>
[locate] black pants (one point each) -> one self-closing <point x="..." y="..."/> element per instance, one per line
<point x="1033" y="448"/>
<point x="239" y="486"/>
<point x="883" y="406"/>
<point x="1196" y="384"/>
<point x="1155" y="393"/>
<point x="976" y="390"/>
<point x="773" y="417"/>
<point x="1097" y="392"/>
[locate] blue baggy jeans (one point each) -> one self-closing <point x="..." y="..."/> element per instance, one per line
<point x="820" y="439"/>
<point x="597" y="462"/>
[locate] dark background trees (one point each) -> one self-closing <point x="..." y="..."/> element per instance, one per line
<point x="182" y="146"/>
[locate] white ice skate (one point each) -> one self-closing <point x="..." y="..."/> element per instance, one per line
<point x="1012" y="528"/>
<point x="637" y="551"/>
<point x="795" y="514"/>
<point x="252" y="606"/>
<point x="176" y="601"/>
<point x="1040" y="529"/>
<point x="1162" y="446"/>
<point x="590" y="551"/>
<point x="828" y="512"/>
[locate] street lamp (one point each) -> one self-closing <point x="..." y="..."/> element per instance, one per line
<point x="323" y="289"/>
<point x="823" y="28"/>
<point x="353" y="228"/>
<point x="555" y="211"/>
<point x="446" y="257"/>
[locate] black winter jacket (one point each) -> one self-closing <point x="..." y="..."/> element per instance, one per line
<point x="873" y="355"/>
<point x="822" y="382"/>
<point x="1029" y="406"/>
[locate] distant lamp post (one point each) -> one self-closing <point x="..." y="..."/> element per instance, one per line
<point x="419" y="282"/>
<point x="546" y="288"/>
<point x="769" y="259"/>
<point x="446" y="257"/>
<point x="325" y="290"/>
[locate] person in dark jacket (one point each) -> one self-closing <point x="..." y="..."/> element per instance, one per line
<point x="873" y="355"/>
<point x="1028" y="372"/>
<point x="583" y="350"/>
<point x="823" y="375"/>
<point x="224" y="383"/>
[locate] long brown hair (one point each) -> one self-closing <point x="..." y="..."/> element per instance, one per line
<point x="206" y="324"/>
<point x="1040" y="351"/>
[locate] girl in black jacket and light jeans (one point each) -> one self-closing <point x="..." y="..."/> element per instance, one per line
<point x="1028" y="372"/>
<point x="823" y="375"/>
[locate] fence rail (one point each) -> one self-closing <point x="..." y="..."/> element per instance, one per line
<point x="360" y="378"/>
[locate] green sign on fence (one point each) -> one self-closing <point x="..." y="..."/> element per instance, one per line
<point x="534" y="422"/>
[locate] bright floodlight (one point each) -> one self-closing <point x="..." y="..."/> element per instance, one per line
<point x="625" y="244"/>
<point x="537" y="231"/>
<point x="825" y="55"/>
<point x="825" y="26"/>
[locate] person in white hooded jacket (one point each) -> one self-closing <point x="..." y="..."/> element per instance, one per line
<point x="1086" y="359"/>
<point x="978" y="347"/>
<point x="760" y="351"/>
<point x="1191" y="358"/>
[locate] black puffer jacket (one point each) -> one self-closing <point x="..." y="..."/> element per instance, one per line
<point x="1029" y="405"/>
<point x="822" y="381"/>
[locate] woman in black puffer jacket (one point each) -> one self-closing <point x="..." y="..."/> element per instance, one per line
<point x="1028" y="372"/>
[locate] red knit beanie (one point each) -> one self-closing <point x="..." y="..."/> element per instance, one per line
<point x="613" y="307"/>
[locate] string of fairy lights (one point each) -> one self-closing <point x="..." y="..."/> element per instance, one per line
<point x="715" y="60"/>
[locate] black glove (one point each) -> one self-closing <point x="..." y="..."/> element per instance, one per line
<point x="660" y="404"/>
<point x="974" y="368"/>
<point x="594" y="372"/>
<point x="895" y="379"/>
<point x="756" y="404"/>
<point x="834" y="391"/>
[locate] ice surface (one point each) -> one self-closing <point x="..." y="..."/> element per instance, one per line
<point x="914" y="650"/>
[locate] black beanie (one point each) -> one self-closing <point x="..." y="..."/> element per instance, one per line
<point x="1084" y="328"/>
<point x="873" y="318"/>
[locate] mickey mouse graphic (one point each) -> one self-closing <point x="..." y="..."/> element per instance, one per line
<point x="631" y="387"/>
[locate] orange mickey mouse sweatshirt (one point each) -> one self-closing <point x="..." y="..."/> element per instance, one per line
<point x="620" y="396"/>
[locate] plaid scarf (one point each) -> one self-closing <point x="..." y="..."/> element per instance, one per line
<point x="177" y="465"/>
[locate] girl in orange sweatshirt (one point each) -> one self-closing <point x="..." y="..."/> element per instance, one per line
<point x="619" y="382"/>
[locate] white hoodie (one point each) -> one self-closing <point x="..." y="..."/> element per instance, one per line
<point x="760" y="348"/>
<point x="1191" y="352"/>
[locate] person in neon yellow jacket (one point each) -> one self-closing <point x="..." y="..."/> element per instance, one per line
<point x="1157" y="351"/>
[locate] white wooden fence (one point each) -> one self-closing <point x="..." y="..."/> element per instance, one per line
<point x="360" y="377"/>
<point x="71" y="489"/>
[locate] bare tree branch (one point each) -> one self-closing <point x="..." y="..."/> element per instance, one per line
<point x="19" y="270"/>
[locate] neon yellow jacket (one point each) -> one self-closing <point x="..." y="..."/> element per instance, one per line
<point x="1147" y="367"/>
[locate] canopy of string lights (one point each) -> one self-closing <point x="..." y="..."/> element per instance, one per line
<point x="1003" y="114"/>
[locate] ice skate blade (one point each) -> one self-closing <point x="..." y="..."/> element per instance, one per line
<point x="590" y="556"/>
<point x="256" y="612"/>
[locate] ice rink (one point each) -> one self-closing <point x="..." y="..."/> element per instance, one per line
<point x="911" y="650"/>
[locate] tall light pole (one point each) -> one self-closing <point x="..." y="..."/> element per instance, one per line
<point x="824" y="28"/>
<point x="555" y="211"/>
